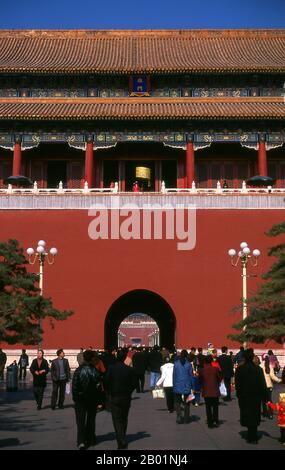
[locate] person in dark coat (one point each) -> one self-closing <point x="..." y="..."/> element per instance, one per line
<point x="60" y="374"/>
<point x="39" y="370"/>
<point x="200" y="359"/>
<point x="251" y="390"/>
<point x="210" y="378"/>
<point x="79" y="358"/>
<point x="239" y="357"/>
<point x="139" y="366"/>
<point x="193" y="358"/>
<point x="23" y="363"/>
<point x="182" y="387"/>
<point x="120" y="382"/>
<point x="155" y="362"/>
<point x="3" y="360"/>
<point x="86" y="394"/>
<point x="226" y="365"/>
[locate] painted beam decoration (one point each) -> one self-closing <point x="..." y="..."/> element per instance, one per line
<point x="174" y="139"/>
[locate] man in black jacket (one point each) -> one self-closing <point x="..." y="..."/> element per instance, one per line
<point x="120" y="381"/>
<point x="251" y="390"/>
<point x="60" y="374"/>
<point x="86" y="394"/>
<point x="226" y="365"/>
<point x="39" y="370"/>
<point x="139" y="366"/>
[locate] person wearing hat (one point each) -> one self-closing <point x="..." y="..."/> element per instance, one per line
<point x="270" y="377"/>
<point x="251" y="391"/>
<point x="280" y="407"/>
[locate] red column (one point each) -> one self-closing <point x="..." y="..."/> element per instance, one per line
<point x="89" y="163"/>
<point x="17" y="158"/>
<point x="181" y="173"/>
<point x="190" y="162"/>
<point x="262" y="158"/>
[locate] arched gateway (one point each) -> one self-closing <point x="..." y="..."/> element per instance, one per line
<point x="143" y="301"/>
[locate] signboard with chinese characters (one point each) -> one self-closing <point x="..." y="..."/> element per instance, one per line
<point x="140" y="86"/>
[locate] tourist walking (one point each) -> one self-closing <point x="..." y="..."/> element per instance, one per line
<point x="196" y="388"/>
<point x="210" y="377"/>
<point x="39" y="370"/>
<point x="86" y="394"/>
<point x="182" y="387"/>
<point x="23" y="363"/>
<point x="273" y="361"/>
<point x="200" y="359"/>
<point x="239" y="357"/>
<point x="120" y="382"/>
<point x="227" y="369"/>
<point x="139" y="366"/>
<point x="60" y="374"/>
<point x="251" y="391"/>
<point x="3" y="360"/>
<point x="80" y="358"/>
<point x="166" y="381"/>
<point x="155" y="362"/>
<point x="270" y="378"/>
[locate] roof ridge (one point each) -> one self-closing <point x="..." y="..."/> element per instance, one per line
<point x="97" y="33"/>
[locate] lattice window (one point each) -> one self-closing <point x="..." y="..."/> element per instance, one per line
<point x="37" y="173"/>
<point x="75" y="175"/>
<point x="5" y="172"/>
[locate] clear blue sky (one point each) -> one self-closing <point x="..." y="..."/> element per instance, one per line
<point x="145" y="14"/>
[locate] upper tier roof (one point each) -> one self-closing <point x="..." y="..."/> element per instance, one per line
<point x="142" y="51"/>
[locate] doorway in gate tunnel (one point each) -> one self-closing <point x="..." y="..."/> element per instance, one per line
<point x="143" y="301"/>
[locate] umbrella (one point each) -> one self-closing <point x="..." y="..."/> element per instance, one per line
<point x="18" y="181"/>
<point x="260" y="181"/>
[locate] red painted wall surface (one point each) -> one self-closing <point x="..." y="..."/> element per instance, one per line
<point x="88" y="276"/>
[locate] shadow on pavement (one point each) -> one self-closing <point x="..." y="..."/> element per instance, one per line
<point x="139" y="435"/>
<point x="9" y="442"/>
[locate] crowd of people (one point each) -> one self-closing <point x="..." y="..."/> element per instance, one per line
<point x="105" y="380"/>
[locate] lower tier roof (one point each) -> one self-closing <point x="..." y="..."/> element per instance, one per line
<point x="33" y="109"/>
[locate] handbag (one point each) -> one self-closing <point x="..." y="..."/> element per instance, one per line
<point x="67" y="388"/>
<point x="223" y="390"/>
<point x="158" y="393"/>
<point x="190" y="398"/>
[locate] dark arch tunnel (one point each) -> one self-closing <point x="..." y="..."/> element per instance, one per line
<point x="141" y="301"/>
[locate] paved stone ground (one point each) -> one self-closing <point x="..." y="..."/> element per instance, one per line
<point x="150" y="425"/>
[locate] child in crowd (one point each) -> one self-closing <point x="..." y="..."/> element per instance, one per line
<point x="280" y="407"/>
<point x="196" y="384"/>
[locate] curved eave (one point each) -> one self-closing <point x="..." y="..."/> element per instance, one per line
<point x="151" y="71"/>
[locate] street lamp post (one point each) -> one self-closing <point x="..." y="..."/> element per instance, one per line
<point x="41" y="255"/>
<point x="244" y="256"/>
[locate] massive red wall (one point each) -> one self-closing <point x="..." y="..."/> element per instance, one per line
<point x="88" y="276"/>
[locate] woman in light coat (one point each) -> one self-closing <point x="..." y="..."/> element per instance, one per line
<point x="270" y="377"/>
<point x="166" y="381"/>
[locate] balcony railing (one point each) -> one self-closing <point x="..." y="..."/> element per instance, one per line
<point x="164" y="190"/>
